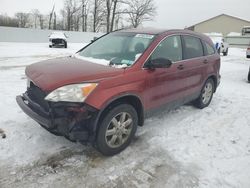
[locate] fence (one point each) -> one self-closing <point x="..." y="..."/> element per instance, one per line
<point x="11" y="34"/>
<point x="240" y="41"/>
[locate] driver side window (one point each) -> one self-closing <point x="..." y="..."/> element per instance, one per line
<point x="170" y="48"/>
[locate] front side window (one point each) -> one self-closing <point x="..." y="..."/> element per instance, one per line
<point x="117" y="49"/>
<point x="170" y="48"/>
<point x="193" y="47"/>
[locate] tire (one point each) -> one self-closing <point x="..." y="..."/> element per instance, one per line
<point x="206" y="94"/>
<point x="114" y="136"/>
<point x="50" y="46"/>
<point x="248" y="56"/>
<point x="65" y="44"/>
<point x="225" y="53"/>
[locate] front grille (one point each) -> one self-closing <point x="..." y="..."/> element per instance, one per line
<point x="37" y="95"/>
<point x="57" y="41"/>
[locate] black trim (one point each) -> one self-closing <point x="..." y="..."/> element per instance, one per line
<point x="116" y="98"/>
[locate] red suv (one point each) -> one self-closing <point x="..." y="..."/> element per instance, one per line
<point x="103" y="92"/>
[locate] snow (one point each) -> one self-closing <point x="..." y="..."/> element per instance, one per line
<point x="57" y="35"/>
<point x="185" y="147"/>
<point x="233" y="34"/>
<point x="213" y="34"/>
<point x="92" y="60"/>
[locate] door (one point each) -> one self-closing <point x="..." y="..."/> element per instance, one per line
<point x="195" y="64"/>
<point x="165" y="84"/>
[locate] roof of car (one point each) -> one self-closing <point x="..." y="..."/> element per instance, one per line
<point x="154" y="31"/>
<point x="151" y="31"/>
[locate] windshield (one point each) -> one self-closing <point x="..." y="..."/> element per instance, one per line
<point x="117" y="49"/>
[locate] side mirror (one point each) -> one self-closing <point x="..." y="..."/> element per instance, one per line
<point x="94" y="39"/>
<point x="159" y="63"/>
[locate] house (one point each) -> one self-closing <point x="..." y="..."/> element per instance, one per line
<point x="223" y="23"/>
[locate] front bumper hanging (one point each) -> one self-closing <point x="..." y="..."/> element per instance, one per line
<point x="73" y="120"/>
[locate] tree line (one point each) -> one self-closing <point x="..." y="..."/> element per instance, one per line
<point x="86" y="15"/>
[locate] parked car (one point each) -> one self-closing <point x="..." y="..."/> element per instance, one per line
<point x="219" y="43"/>
<point x="248" y="51"/>
<point x="109" y="87"/>
<point x="245" y="30"/>
<point x="58" y="39"/>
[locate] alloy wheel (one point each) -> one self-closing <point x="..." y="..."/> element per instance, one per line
<point x="118" y="130"/>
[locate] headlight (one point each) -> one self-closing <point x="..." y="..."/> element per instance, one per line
<point x="71" y="93"/>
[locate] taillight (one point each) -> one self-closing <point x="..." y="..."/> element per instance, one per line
<point x="248" y="48"/>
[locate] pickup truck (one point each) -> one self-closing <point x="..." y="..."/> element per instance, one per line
<point x="219" y="43"/>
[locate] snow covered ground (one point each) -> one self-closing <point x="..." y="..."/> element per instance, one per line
<point x="185" y="147"/>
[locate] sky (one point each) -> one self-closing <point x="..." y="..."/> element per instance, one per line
<point x="170" y="13"/>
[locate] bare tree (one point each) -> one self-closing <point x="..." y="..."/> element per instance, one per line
<point x="51" y="15"/>
<point x="54" y="23"/>
<point x="22" y="18"/>
<point x="113" y="14"/>
<point x="71" y="8"/>
<point x="108" y="13"/>
<point x="41" y="21"/>
<point x="140" y="11"/>
<point x="111" y="7"/>
<point x="84" y="15"/>
<point x="35" y="16"/>
<point x="97" y="14"/>
<point x="8" y="21"/>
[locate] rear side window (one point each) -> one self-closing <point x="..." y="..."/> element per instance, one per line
<point x="192" y="47"/>
<point x="209" y="49"/>
<point x="170" y="48"/>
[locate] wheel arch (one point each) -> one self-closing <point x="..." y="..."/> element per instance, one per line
<point x="131" y="99"/>
<point x="214" y="78"/>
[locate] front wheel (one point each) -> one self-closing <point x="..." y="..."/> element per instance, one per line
<point x="117" y="129"/>
<point x="206" y="94"/>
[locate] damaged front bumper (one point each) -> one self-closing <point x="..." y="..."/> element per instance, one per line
<point x="75" y="121"/>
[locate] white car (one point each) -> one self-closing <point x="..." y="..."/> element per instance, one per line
<point x="58" y="39"/>
<point x="219" y="43"/>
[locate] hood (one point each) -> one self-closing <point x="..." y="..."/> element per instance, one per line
<point x="57" y="35"/>
<point x="54" y="73"/>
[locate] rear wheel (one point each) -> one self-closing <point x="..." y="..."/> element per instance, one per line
<point x="65" y="44"/>
<point x="117" y="129"/>
<point x="218" y="50"/>
<point x="225" y="53"/>
<point x="206" y="95"/>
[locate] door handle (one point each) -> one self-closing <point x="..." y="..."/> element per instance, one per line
<point x="180" y="67"/>
<point x="205" y="61"/>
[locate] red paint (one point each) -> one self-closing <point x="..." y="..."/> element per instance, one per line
<point x="153" y="87"/>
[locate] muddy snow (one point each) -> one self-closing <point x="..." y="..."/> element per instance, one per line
<point x="185" y="147"/>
